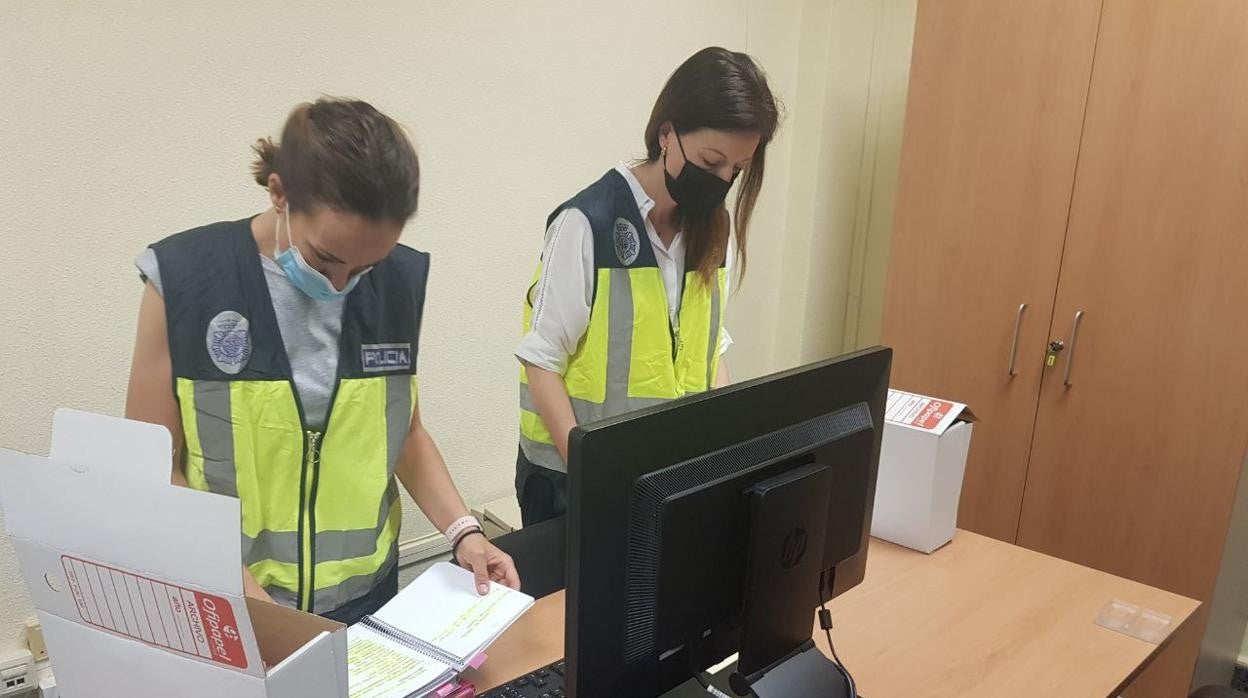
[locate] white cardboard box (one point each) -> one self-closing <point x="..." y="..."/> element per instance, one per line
<point x="138" y="583"/>
<point x="922" y="461"/>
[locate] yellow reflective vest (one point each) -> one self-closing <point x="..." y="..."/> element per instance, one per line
<point x="631" y="356"/>
<point x="320" y="509"/>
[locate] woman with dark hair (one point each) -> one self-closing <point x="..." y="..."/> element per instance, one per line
<point x="626" y="308"/>
<point x="280" y="352"/>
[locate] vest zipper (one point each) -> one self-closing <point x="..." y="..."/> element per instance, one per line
<point x="315" y="442"/>
<point x="307" y="520"/>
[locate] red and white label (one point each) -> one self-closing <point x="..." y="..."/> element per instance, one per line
<point x="156" y="613"/>
<point x="918" y="411"/>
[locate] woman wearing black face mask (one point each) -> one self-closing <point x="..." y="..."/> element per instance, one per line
<point x="626" y="308"/>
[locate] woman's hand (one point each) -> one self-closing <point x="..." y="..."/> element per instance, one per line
<point x="486" y="562"/>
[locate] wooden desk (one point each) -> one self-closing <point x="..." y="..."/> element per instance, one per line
<point x="978" y="618"/>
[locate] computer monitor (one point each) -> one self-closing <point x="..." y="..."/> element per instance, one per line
<point x="691" y="522"/>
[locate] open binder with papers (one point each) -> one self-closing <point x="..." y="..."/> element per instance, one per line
<point x="427" y="635"/>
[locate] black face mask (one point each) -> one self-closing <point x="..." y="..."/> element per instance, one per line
<point x="695" y="190"/>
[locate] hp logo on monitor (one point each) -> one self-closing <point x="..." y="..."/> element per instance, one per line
<point x="794" y="548"/>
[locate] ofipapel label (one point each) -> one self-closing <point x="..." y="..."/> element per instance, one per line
<point x="154" y="612"/>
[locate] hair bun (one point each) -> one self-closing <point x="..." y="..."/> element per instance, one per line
<point x="263" y="166"/>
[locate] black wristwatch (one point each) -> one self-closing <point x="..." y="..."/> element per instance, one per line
<point x="462" y="536"/>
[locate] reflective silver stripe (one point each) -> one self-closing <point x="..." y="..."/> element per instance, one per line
<point x="338" y="545"/>
<point x="638" y="403"/>
<point x="398" y="416"/>
<point x="345" y="545"/>
<point x="279" y="546"/>
<point x="579" y="406"/>
<point x="619" y="341"/>
<point x="712" y="346"/>
<point x="387" y="503"/>
<point x="283" y="546"/>
<point x="215" y="425"/>
<point x="547" y="456"/>
<point x="619" y="357"/>
<point x="348" y="545"/>
<point x="542" y="454"/>
<point x="587" y="411"/>
<point x="283" y="596"/>
<point x="330" y="598"/>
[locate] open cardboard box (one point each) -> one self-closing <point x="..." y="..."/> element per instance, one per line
<point x="138" y="582"/>
<point x="922" y="464"/>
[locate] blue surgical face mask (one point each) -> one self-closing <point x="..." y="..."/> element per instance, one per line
<point x="301" y="274"/>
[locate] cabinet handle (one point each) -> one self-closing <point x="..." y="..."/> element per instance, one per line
<point x="1074" y="339"/>
<point x="1018" y="330"/>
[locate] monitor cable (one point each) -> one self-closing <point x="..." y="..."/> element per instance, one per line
<point x="825" y="622"/>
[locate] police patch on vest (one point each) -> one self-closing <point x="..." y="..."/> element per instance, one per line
<point x="627" y="241"/>
<point x="229" y="342"/>
<point x="375" y="358"/>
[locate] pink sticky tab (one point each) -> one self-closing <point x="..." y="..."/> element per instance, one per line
<point x="478" y="661"/>
<point x="456" y="689"/>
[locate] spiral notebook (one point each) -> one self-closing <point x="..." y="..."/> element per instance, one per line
<point x="427" y="635"/>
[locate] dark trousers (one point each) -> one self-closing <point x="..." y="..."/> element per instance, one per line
<point x="354" y="611"/>
<point x="542" y="492"/>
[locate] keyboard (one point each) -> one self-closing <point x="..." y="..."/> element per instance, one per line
<point x="546" y="682"/>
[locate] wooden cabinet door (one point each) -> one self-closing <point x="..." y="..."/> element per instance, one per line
<point x="1135" y="463"/>
<point x="996" y="103"/>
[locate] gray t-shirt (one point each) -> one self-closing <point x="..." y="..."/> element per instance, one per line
<point x="310" y="330"/>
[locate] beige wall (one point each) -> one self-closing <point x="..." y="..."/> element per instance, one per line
<point x="122" y="122"/>
<point x="822" y="290"/>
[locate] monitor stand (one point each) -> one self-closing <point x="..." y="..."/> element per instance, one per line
<point x="807" y="672"/>
<point x="780" y="683"/>
<point x="783" y="586"/>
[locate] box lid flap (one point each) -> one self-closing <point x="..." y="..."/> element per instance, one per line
<point x="118" y="506"/>
<point x="118" y="448"/>
<point x="927" y="414"/>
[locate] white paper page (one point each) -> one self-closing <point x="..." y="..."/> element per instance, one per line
<point x="381" y="668"/>
<point x="442" y="607"/>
